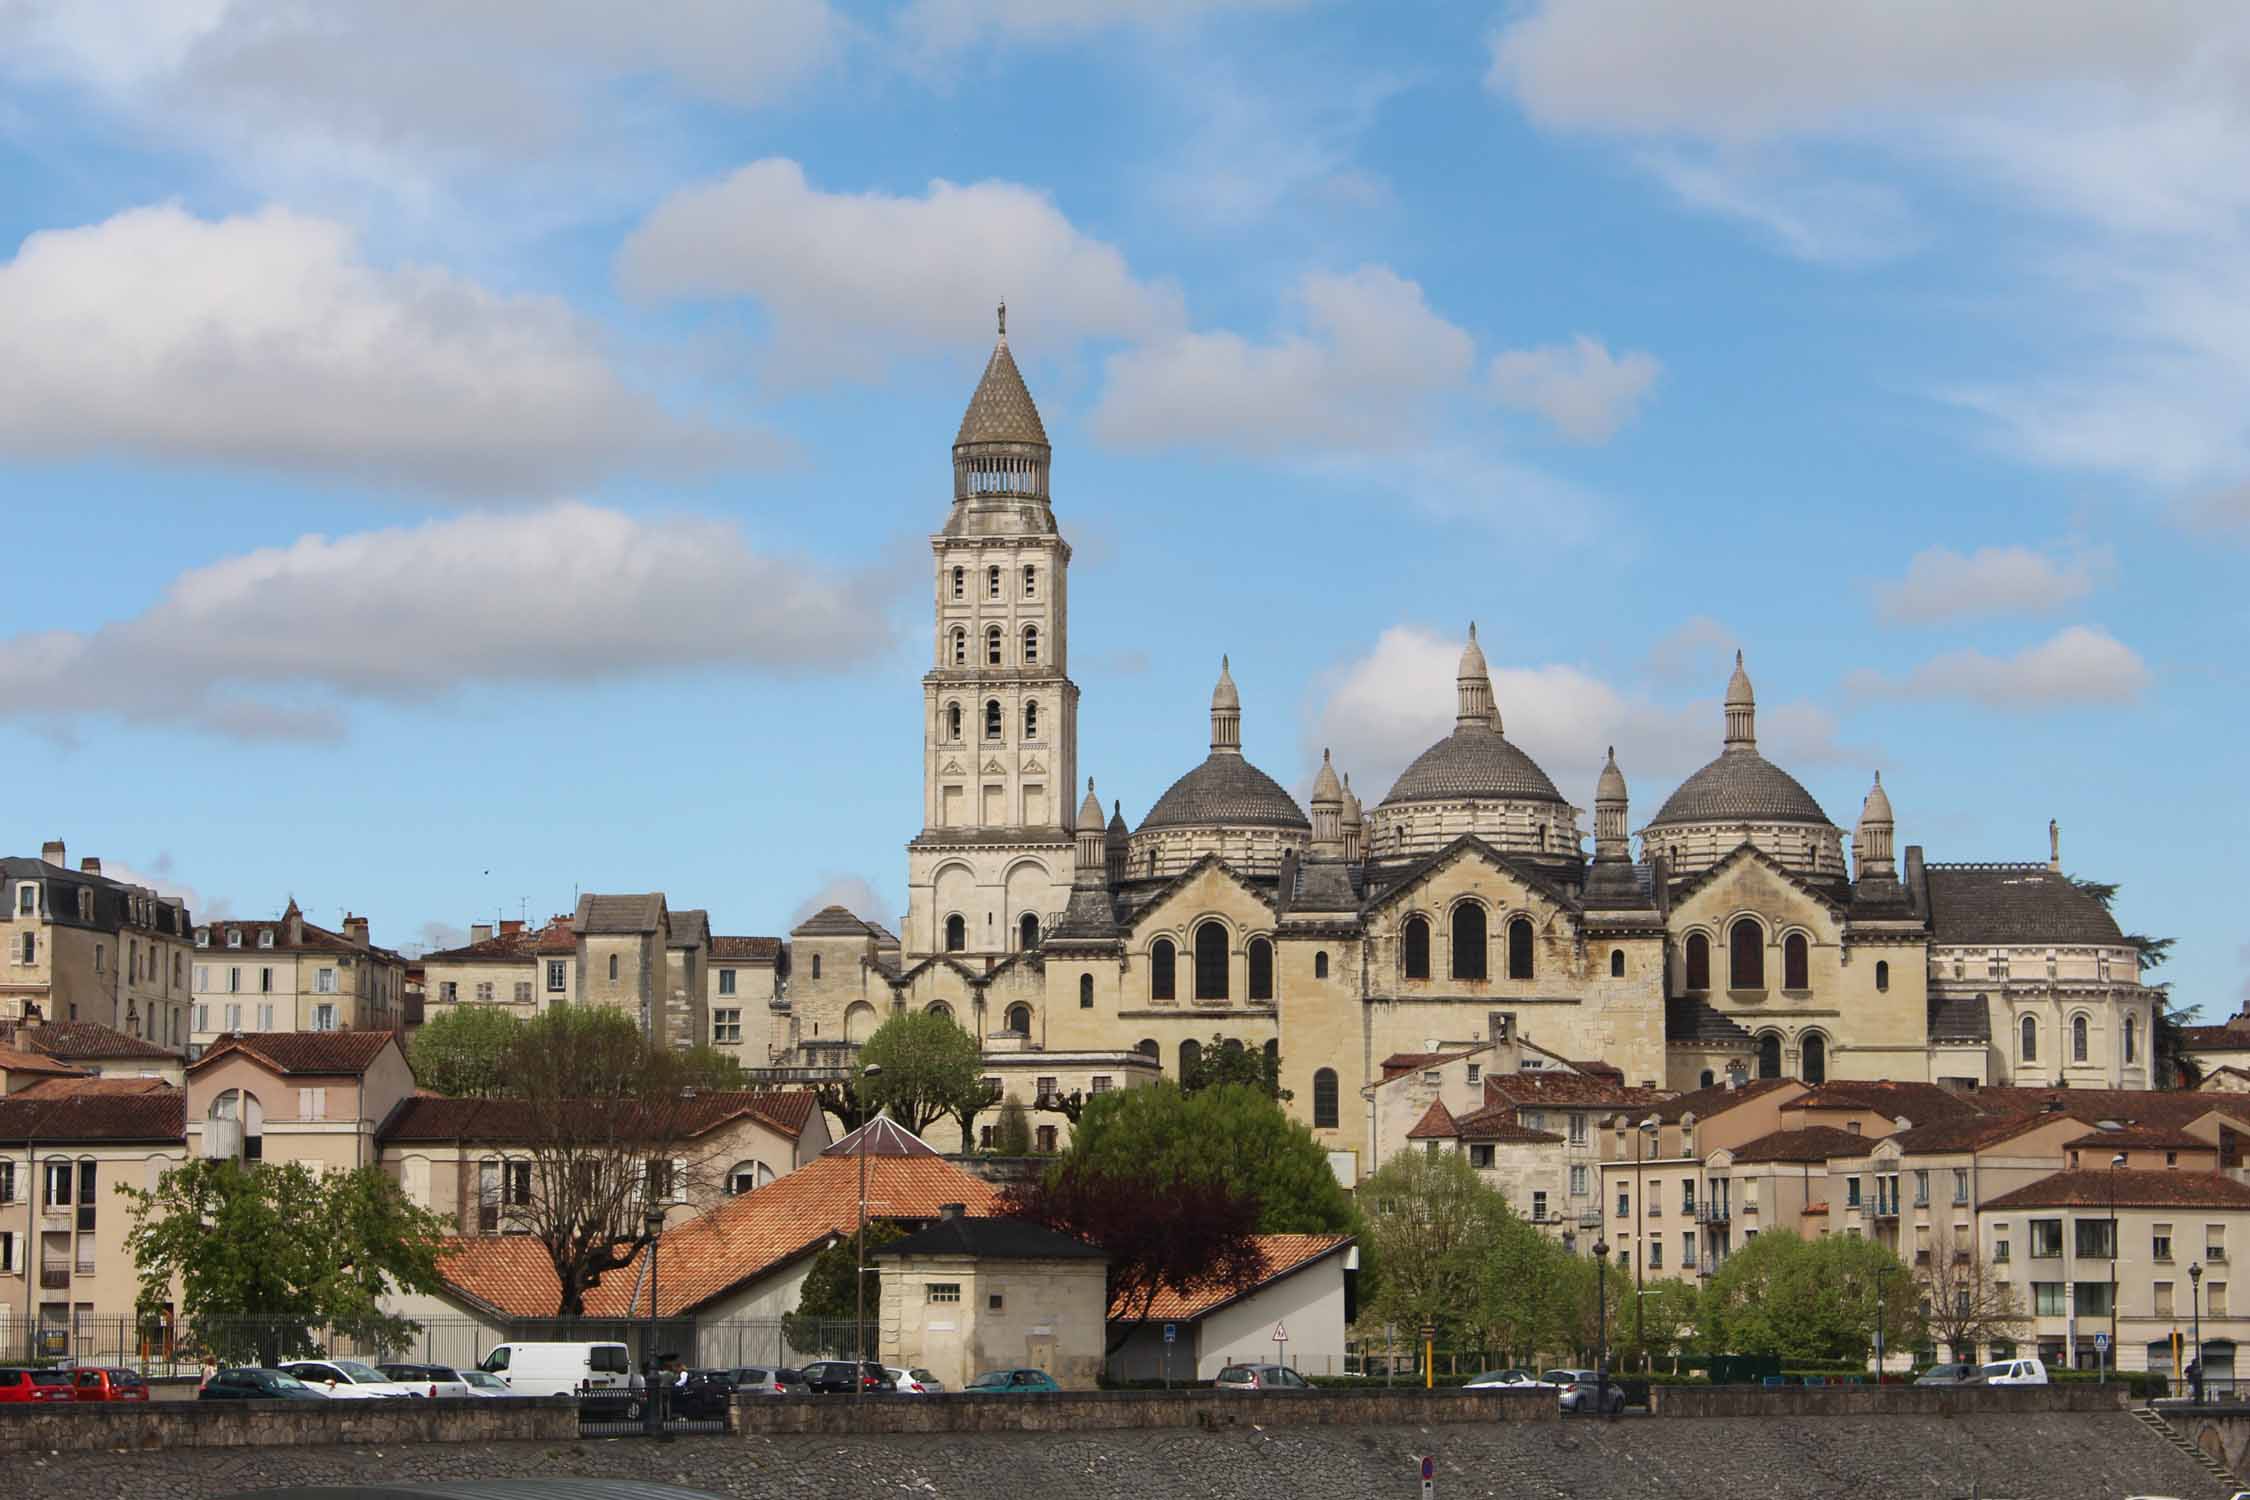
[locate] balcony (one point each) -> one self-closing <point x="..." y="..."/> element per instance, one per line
<point x="54" y="1278"/>
<point x="1712" y="1213"/>
<point x="1883" y="1209"/>
<point x="1590" y="1219"/>
<point x="1708" y="1266"/>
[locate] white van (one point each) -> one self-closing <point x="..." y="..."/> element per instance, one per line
<point x="2013" y="1372"/>
<point x="561" y="1369"/>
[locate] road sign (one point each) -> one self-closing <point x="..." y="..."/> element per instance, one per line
<point x="2101" y="1342"/>
<point x="1171" y="1333"/>
<point x="1280" y="1334"/>
<point x="1429" y="1477"/>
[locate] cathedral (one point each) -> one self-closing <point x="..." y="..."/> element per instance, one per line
<point x="1087" y="951"/>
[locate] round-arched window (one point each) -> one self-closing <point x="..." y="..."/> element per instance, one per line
<point x="1163" y="965"/>
<point x="1019" y="1019"/>
<point x="1698" y="961"/>
<point x="1812" y="1053"/>
<point x="1261" y="969"/>
<point x="2030" y="1051"/>
<point x="956" y="933"/>
<point x="1027" y="931"/>
<point x="1320" y="965"/>
<point x="2078" y="1046"/>
<point x="1617" y="963"/>
<point x="1519" y="948"/>
<point x="1325" y="1113"/>
<point x="1210" y="962"/>
<point x="1769" y="1055"/>
<point x="1468" y="941"/>
<point x="1746" y="956"/>
<point x="1414" y="945"/>
<point x="1085" y="992"/>
<point x="1796" y="962"/>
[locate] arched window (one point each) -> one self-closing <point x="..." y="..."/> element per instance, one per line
<point x="2077" y="1039"/>
<point x="1324" y="1111"/>
<point x="1769" y="1055"/>
<point x="1191" y="1054"/>
<point x="1148" y="1049"/>
<point x="1019" y="1019"/>
<point x="960" y="583"/>
<point x="992" y="719"/>
<point x="2132" y="1038"/>
<point x="1085" y="992"/>
<point x="613" y="968"/>
<point x="1796" y="962"/>
<point x="992" y="647"/>
<point x="1027" y="931"/>
<point x="992" y="581"/>
<point x="1030" y="581"/>
<point x="956" y="933"/>
<point x="1519" y="948"/>
<point x="1031" y="720"/>
<point x="1415" y="940"/>
<point x="1882" y="975"/>
<point x="953" y="721"/>
<point x="2030" y="1049"/>
<point x="940" y="1008"/>
<point x="1709" y="1078"/>
<point x="1617" y="963"/>
<point x="1468" y="941"/>
<point x="1813" y="1053"/>
<point x="1746" y="956"/>
<point x="1163" y="984"/>
<point x="1210" y="962"/>
<point x="1261" y="969"/>
<point x="960" y="648"/>
<point x="1231" y="1044"/>
<point x="1320" y="964"/>
<point x="1031" y="645"/>
<point x="1698" y="961"/>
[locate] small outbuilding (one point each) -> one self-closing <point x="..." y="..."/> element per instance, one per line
<point x="968" y="1295"/>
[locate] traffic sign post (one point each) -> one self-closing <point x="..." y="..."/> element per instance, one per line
<point x="1171" y="1336"/>
<point x="1429" y="1476"/>
<point x="1280" y="1343"/>
<point x="2101" y="1357"/>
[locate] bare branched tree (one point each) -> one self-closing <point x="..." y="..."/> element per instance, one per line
<point x="1968" y="1303"/>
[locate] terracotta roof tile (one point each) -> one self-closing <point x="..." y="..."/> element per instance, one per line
<point x="155" y="1117"/>
<point x="1704" y="1103"/>
<point x="16" y="1059"/>
<point x="1565" y="1090"/>
<point x="88" y="1041"/>
<point x="511" y="946"/>
<point x="1500" y="1125"/>
<point x="55" y="1088"/>
<point x="1283" y="1254"/>
<point x="1399" y="1064"/>
<point x="2133" y="1187"/>
<point x="330" y="1054"/>
<point x="1812" y="1143"/>
<point x="1919" y="1102"/>
<point x="760" y="949"/>
<point x="1436" y="1124"/>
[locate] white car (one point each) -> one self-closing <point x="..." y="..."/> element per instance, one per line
<point x="347" y="1380"/>
<point x="1492" y="1378"/>
<point x="2013" y="1372"/>
<point x="914" y="1382"/>
<point x="481" y="1384"/>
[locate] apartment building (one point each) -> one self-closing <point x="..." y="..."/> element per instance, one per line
<point x="101" y="1051"/>
<point x="631" y="953"/>
<point x="289" y="974"/>
<point x="316" y="1097"/>
<point x="1659" y="1195"/>
<point x="78" y="946"/>
<point x="508" y="963"/>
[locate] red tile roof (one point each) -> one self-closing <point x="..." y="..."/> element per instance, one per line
<point x="1568" y="1090"/>
<point x="1717" y="1099"/>
<point x="1812" y="1143"/>
<point x="331" y="1054"/>
<point x="512" y="946"/>
<point x="1436" y="1124"/>
<point x="2141" y="1138"/>
<point x="761" y="949"/>
<point x="88" y="1041"/>
<point x="2132" y="1187"/>
<point x="1500" y="1126"/>
<point x="1399" y="1064"/>
<point x="431" y="1118"/>
<point x="14" y="1059"/>
<point x="312" y="938"/>
<point x="1283" y="1254"/>
<point x="88" y="1118"/>
<point x="55" y="1088"/>
<point x="1921" y="1103"/>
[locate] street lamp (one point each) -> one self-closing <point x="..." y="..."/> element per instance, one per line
<point x="859" y="1258"/>
<point x="2195" y="1290"/>
<point x="1646" y="1132"/>
<point x="1601" y="1323"/>
<point x="652" y="1420"/>
<point x="2114" y="1163"/>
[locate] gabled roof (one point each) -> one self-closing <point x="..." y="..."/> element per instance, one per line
<point x="88" y="1041"/>
<point x="832" y="921"/>
<point x="1719" y="1098"/>
<point x="311" y="937"/>
<point x="615" y="915"/>
<point x="1283" y="1255"/>
<point x="1399" y="1064"/>
<point x="16" y="1060"/>
<point x="332" y="1054"/>
<point x="79" y="1083"/>
<point x="2139" y="1138"/>
<point x="1553" y="1090"/>
<point x="1746" y="850"/>
<point x="1813" y="1143"/>
<point x="2132" y="1187"/>
<point x="690" y="928"/>
<point x="1398" y="882"/>
<point x="1436" y="1124"/>
<point x="1918" y="1102"/>
<point x="513" y="943"/>
<point x="990" y="1239"/>
<point x="753" y="949"/>
<point x="1498" y="1124"/>
<point x="156" y="1118"/>
<point x="1999" y="905"/>
<point x="1151" y="899"/>
<point x="428" y="1120"/>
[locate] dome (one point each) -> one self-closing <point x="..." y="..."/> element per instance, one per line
<point x="1611" y="786"/>
<point x="1741" y="786"/>
<point x="1326" y="788"/>
<point x="1474" y="763"/>
<point x="1002" y="410"/>
<point x="1226" y="791"/>
<point x="1877" y="808"/>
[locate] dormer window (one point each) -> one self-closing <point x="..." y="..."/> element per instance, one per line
<point x="234" y="937"/>
<point x="27" y="899"/>
<point x="85" y="905"/>
<point x="265" y="937"/>
<point x="202" y="937"/>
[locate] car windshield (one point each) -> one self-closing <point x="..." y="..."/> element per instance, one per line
<point x="281" y="1380"/>
<point x="922" y="1375"/>
<point x="360" y="1374"/>
<point x="496" y="1360"/>
<point x="483" y="1381"/>
<point x="990" y="1380"/>
<point x="2002" y="1368"/>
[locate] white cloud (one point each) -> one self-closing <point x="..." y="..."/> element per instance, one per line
<point x="159" y="876"/>
<point x="1810" y="215"/>
<point x="1941" y="584"/>
<point x="854" y="893"/>
<point x="1583" y="389"/>
<point x="2080" y="666"/>
<point x="271" y="644"/>
<point x="2219" y="512"/>
<point x="1694" y="650"/>
<point x="848" y="278"/>
<point x="1379" y="710"/>
<point x="265" y="340"/>
<point x="1360" y="378"/>
<point x="949" y="25"/>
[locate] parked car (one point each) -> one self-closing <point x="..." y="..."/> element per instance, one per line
<point x="841" y="1377"/>
<point x="1011" y="1383"/>
<point x="702" y="1395"/>
<point x="556" y="1369"/>
<point x="481" y="1384"/>
<point x="914" y="1382"/>
<point x="1946" y="1375"/>
<point x="93" y="1384"/>
<point x="36" y="1385"/>
<point x="2014" y="1372"/>
<point x="348" y="1380"/>
<point x="249" y="1383"/>
<point x="1491" y="1378"/>
<point x="1244" y="1378"/>
<point x="1576" y="1388"/>
<point x="770" y="1380"/>
<point x="429" y="1380"/>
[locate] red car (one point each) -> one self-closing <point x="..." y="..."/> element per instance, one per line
<point x="108" y="1385"/>
<point x="36" y="1385"/>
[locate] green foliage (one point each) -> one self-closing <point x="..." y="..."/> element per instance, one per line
<point x="1810" y="1299"/>
<point x="463" y="1053"/>
<point x="705" y="1067"/>
<point x="827" y="1297"/>
<point x="1223" y="1062"/>
<point x="265" y="1254"/>
<point x="1231" y="1135"/>
<point x="931" y="1068"/>
<point x="1012" y="1137"/>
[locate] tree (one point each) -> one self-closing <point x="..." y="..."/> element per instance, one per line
<point x="704" y="1066"/>
<point x="1430" y="1229"/>
<point x="1227" y="1061"/>
<point x="2167" y="1043"/>
<point x="463" y="1054"/>
<point x="1967" y="1302"/>
<point x="1013" y="1137"/>
<point x="1816" y="1299"/>
<point x="609" y="1118"/>
<point x="827" y="1294"/>
<point x="266" y="1254"/>
<point x="931" y="1068"/>
<point x="1233" y="1135"/>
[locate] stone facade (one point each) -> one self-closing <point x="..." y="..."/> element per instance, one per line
<point x="289" y="974"/>
<point x="78" y="946"/>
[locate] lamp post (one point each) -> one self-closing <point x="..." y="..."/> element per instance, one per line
<point x="652" y="1419"/>
<point x="859" y="1258"/>
<point x="1601" y="1323"/>
<point x="2114" y="1163"/>
<point x="2195" y="1291"/>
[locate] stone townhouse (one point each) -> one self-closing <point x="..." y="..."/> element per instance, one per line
<point x="78" y="946"/>
<point x="524" y="968"/>
<point x="101" y="1051"/>
<point x="1738" y="940"/>
<point x="289" y="974"/>
<point x="743" y="981"/>
<point x="631" y="953"/>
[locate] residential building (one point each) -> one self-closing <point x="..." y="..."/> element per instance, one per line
<point x="1303" y="1291"/>
<point x="289" y="974"/>
<point x="78" y="946"/>
<point x="743" y="980"/>
<point x="316" y="1097"/>
<point x="103" y="1051"/>
<point x="1042" y="1082"/>
<point x="624" y="961"/>
<point x="527" y="969"/>
<point x="970" y="1294"/>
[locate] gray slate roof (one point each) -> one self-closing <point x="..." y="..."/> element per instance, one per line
<point x="1700" y="1021"/>
<point x="831" y="921"/>
<point x="1475" y="760"/>
<point x="691" y="928"/>
<point x="1226" y="791"/>
<point x="1002" y="410"/>
<point x="1960" y="1018"/>
<point x="1740" y="786"/>
<point x="599" y="914"/>
<point x="2004" y="904"/>
<point x="990" y="1239"/>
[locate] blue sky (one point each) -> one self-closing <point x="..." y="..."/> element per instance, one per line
<point x="454" y="455"/>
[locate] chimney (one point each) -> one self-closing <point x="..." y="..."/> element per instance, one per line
<point x="951" y="1210"/>
<point x="89" y="866"/>
<point x="510" y="928"/>
<point x="355" y="928"/>
<point x="480" y="932"/>
<point x="2054" y="846"/>
<point x="52" y="853"/>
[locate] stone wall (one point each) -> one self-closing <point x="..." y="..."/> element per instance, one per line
<point x="2221" y="1432"/>
<point x="103" y="1427"/>
<point x="1096" y="1411"/>
<point x="1889" y="1400"/>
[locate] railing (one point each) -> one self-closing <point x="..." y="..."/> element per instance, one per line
<point x="1712" y="1213"/>
<point x="54" y="1278"/>
<point x="1708" y="1266"/>
<point x="1590" y="1219"/>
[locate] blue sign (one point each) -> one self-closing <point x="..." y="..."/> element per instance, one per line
<point x="2101" y="1342"/>
<point x="1429" y="1467"/>
<point x="1171" y="1333"/>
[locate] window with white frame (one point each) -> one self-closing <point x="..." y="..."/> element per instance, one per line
<point x="265" y="1018"/>
<point x="234" y="1016"/>
<point x="234" y="937"/>
<point x="324" y="1018"/>
<point x="1578" y="1182"/>
<point x="324" y="981"/>
<point x="203" y="1018"/>
<point x="726" y="1026"/>
<point x="265" y="937"/>
<point x="726" y="981"/>
<point x="942" y="1291"/>
<point x="554" y="976"/>
<point x="234" y="981"/>
<point x="523" y="992"/>
<point x="1578" y="1130"/>
<point x="484" y="990"/>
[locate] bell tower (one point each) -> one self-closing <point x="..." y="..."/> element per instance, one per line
<point x="999" y="712"/>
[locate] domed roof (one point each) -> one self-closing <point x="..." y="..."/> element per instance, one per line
<point x="1002" y="410"/>
<point x="1117" y="816"/>
<point x="1476" y="761"/>
<point x="1611" y="786"/>
<point x="1877" y="808"/>
<point x="1226" y="791"/>
<point x="1325" y="787"/>
<point x="1090" y="811"/>
<point x="1740" y="786"/>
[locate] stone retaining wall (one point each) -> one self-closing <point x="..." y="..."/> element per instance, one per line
<point x="1091" y="1411"/>
<point x="1887" y="1400"/>
<point x="103" y="1426"/>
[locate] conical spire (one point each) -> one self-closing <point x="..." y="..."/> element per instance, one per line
<point x="1354" y="822"/>
<point x="1742" y="710"/>
<point x="1226" y="713"/>
<point x="1871" y="841"/>
<point x="1325" y="787"/>
<point x="1611" y="786"/>
<point x="1327" y="812"/>
<point x="1093" y="842"/>
<point x="1001" y="451"/>
<point x="1090" y="811"/>
<point x="1472" y="689"/>
<point x="1610" y="839"/>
